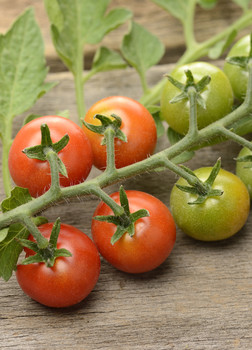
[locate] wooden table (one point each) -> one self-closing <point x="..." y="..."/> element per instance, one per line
<point x="200" y="298"/>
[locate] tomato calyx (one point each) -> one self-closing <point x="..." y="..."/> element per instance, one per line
<point x="245" y="159"/>
<point x="241" y="61"/>
<point x="114" y="123"/>
<point x="126" y="222"/>
<point x="202" y="189"/>
<point x="188" y="86"/>
<point x="41" y="151"/>
<point x="46" y="255"/>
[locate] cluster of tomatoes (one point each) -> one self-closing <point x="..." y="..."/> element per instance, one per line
<point x="71" y="279"/>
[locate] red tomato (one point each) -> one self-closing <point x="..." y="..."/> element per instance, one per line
<point x="137" y="124"/>
<point x="152" y="242"/>
<point x="71" y="279"/>
<point x="34" y="174"/>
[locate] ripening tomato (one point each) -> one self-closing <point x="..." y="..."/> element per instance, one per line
<point x="218" y="217"/>
<point x="70" y="279"/>
<point x="244" y="169"/>
<point x="218" y="96"/>
<point x="137" y="124"/>
<point x="34" y="174"/>
<point x="152" y="242"/>
<point x="238" y="75"/>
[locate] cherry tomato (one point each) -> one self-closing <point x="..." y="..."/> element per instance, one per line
<point x="137" y="124"/>
<point x="237" y="75"/>
<point x="217" y="94"/>
<point x="218" y="217"/>
<point x="244" y="170"/>
<point x="71" y="279"/>
<point x="152" y="242"/>
<point x="34" y="174"/>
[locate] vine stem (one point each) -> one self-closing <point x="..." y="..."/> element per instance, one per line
<point x="194" y="51"/>
<point x="160" y="159"/>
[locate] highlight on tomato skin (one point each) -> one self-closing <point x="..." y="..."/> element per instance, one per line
<point x="137" y="124"/>
<point x="35" y="174"/>
<point x="71" y="279"/>
<point x="152" y="243"/>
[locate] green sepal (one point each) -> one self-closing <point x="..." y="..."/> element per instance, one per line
<point x="39" y="151"/>
<point x="190" y="83"/>
<point x="126" y="222"/>
<point x="49" y="254"/>
<point x="205" y="189"/>
<point x="245" y="159"/>
<point x="241" y="61"/>
<point x="106" y="122"/>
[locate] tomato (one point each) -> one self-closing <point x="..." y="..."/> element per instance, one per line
<point x="237" y="75"/>
<point x="34" y="174"/>
<point x="217" y="94"/>
<point x="137" y="124"/>
<point x="244" y="169"/>
<point x="152" y="242"/>
<point x="218" y="217"/>
<point x="71" y="279"/>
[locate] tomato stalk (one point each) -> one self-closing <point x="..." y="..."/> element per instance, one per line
<point x="161" y="159"/>
<point x="195" y="50"/>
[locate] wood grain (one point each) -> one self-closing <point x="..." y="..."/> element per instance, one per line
<point x="200" y="298"/>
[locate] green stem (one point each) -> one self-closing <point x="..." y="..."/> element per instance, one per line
<point x="193" y="52"/>
<point x="110" y="149"/>
<point x="6" y="141"/>
<point x="32" y="228"/>
<point x="79" y="83"/>
<point x="193" y="127"/>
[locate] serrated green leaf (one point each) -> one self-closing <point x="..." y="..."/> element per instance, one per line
<point x="106" y="59"/>
<point x="178" y="8"/>
<point x="10" y="250"/>
<point x="141" y="49"/>
<point x="22" y="66"/>
<point x="18" y="197"/>
<point x="84" y="22"/>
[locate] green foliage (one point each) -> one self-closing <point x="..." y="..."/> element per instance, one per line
<point x="77" y="23"/>
<point x="23" y="66"/>
<point x="141" y="49"/>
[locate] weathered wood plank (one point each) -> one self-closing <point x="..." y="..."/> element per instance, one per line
<point x="146" y="13"/>
<point x="200" y="298"/>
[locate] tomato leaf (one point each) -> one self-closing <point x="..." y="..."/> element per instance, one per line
<point x="10" y="250"/>
<point x="106" y="59"/>
<point x="178" y="8"/>
<point x="18" y="197"/>
<point x="80" y="22"/>
<point x="23" y="68"/>
<point x="141" y="49"/>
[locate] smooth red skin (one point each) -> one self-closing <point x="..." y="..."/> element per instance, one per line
<point x="152" y="242"/>
<point x="137" y="124"/>
<point x="35" y="174"/>
<point x="71" y="279"/>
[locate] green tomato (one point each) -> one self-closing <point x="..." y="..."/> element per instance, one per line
<point x="218" y="96"/>
<point x="237" y="75"/>
<point x="244" y="170"/>
<point x="219" y="217"/>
